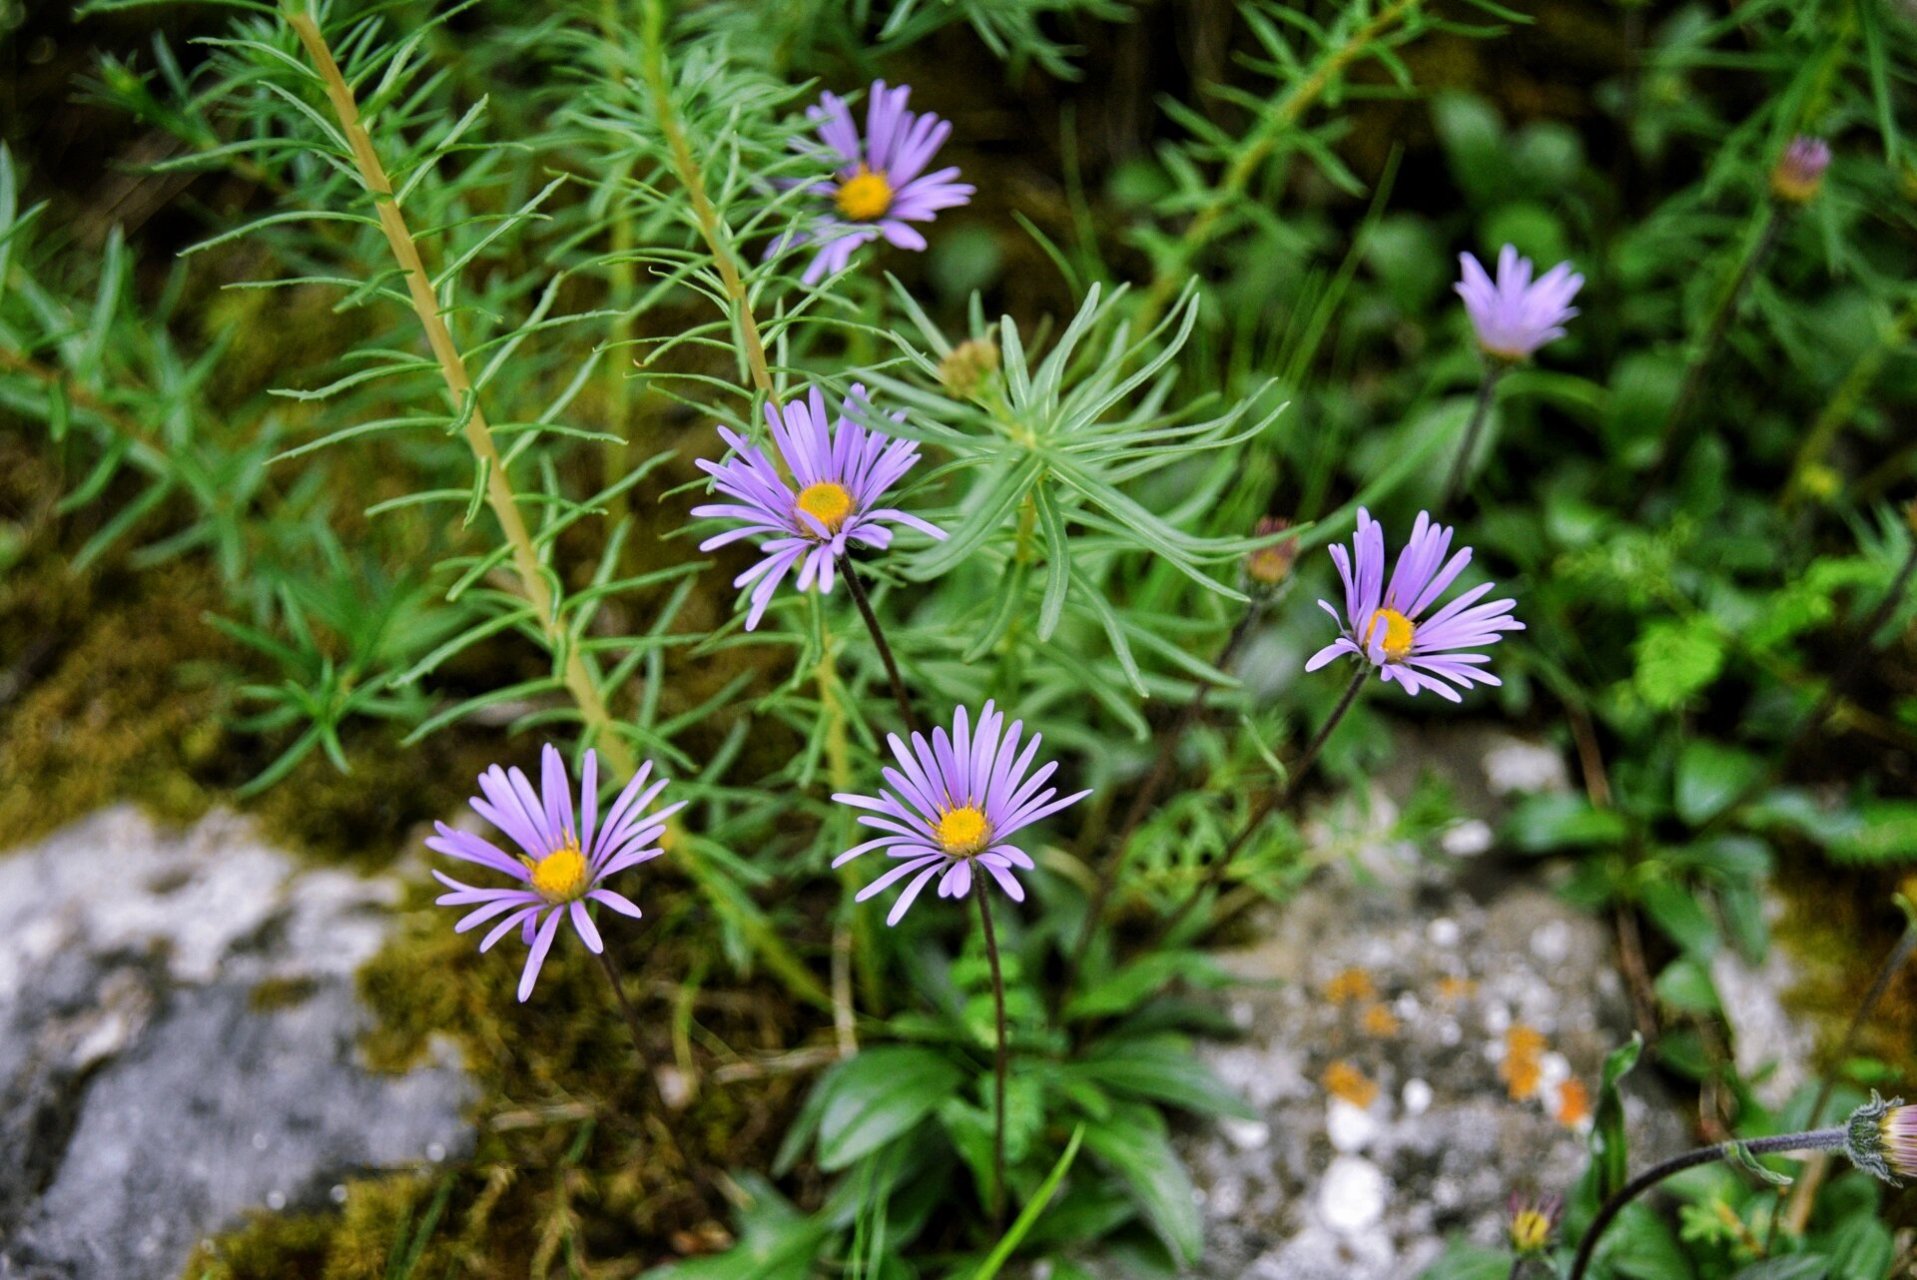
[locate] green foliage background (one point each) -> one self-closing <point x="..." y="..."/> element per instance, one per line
<point x="1212" y="245"/>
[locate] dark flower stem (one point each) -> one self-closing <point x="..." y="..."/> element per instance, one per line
<point x="1494" y="369"/>
<point x="615" y="980"/>
<point x="998" y="1061"/>
<point x="1713" y="338"/>
<point x="1810" y="1140"/>
<point x="859" y="598"/>
<point x="1146" y="792"/>
<point x="1273" y="799"/>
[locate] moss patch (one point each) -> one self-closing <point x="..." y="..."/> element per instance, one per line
<point x="572" y="1171"/>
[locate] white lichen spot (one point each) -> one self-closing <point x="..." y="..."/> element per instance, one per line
<point x="1467" y="839"/>
<point x="1349" y="1126"/>
<point x="1352" y="1196"/>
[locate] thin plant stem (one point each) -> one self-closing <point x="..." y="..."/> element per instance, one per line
<point x="1272" y="801"/>
<point x="1494" y="369"/>
<point x="615" y="979"/>
<point x="1893" y="963"/>
<point x="1720" y="324"/>
<point x="998" y="1060"/>
<point x="1268" y="136"/>
<point x="1811" y="1140"/>
<point x="500" y="497"/>
<point x="852" y="932"/>
<point x="622" y="285"/>
<point x="1805" y="1190"/>
<point x="1142" y="798"/>
<point x="1841" y="406"/>
<point x="859" y="598"/>
<point x="704" y="215"/>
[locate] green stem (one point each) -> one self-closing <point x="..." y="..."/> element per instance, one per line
<point x="1480" y="411"/>
<point x="998" y="1062"/>
<point x="1142" y="797"/>
<point x="1727" y="308"/>
<point x="500" y="497"/>
<point x="859" y="598"/>
<point x="1273" y="799"/>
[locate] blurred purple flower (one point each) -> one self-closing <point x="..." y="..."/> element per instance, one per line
<point x="1381" y="623"/>
<point x="1799" y="172"/>
<point x="1515" y="316"/>
<point x="955" y="802"/>
<point x="879" y="184"/>
<point x="842" y="469"/>
<point x="567" y="857"/>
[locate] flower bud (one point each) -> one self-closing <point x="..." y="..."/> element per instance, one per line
<point x="1881" y="1139"/>
<point x="967" y="366"/>
<point x="1532" y="1221"/>
<point x="1800" y="172"/>
<point x="1270" y="566"/>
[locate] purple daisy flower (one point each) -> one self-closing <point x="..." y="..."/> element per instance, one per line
<point x="1516" y="316"/>
<point x="565" y="863"/>
<point x="879" y="184"/>
<point x="841" y="467"/>
<point x="1381" y="622"/>
<point x="954" y="802"/>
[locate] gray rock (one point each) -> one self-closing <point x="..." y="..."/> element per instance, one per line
<point x="148" y="1095"/>
<point x="1411" y="968"/>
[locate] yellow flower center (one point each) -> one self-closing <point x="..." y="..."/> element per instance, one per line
<point x="962" y="832"/>
<point x="864" y="196"/>
<point x="560" y="876"/>
<point x="827" y="503"/>
<point x="1398" y="633"/>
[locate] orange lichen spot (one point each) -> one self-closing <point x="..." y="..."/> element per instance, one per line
<point x="1342" y="1080"/>
<point x="1452" y="989"/>
<point x="1352" y="986"/>
<point x="1523" y="1067"/>
<point x="1574" y="1104"/>
<point x="1379" y="1021"/>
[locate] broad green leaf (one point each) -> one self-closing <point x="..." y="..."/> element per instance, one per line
<point x="1559" y="820"/>
<point x="1132" y="1145"/>
<point x="1709" y="777"/>
<point x="1610" y="1154"/>
<point x="878" y="1096"/>
<point x="1162" y="1068"/>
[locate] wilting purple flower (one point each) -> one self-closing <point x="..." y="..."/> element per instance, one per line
<point x="879" y="184"/>
<point x="1382" y="624"/>
<point x="566" y="858"/>
<point x="842" y="469"/>
<point x="1799" y="172"/>
<point x="954" y="802"/>
<point x="1516" y="316"/>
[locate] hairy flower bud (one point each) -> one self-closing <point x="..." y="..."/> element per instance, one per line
<point x="1270" y="566"/>
<point x="1800" y="171"/>
<point x="1881" y="1139"/>
<point x="967" y="366"/>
